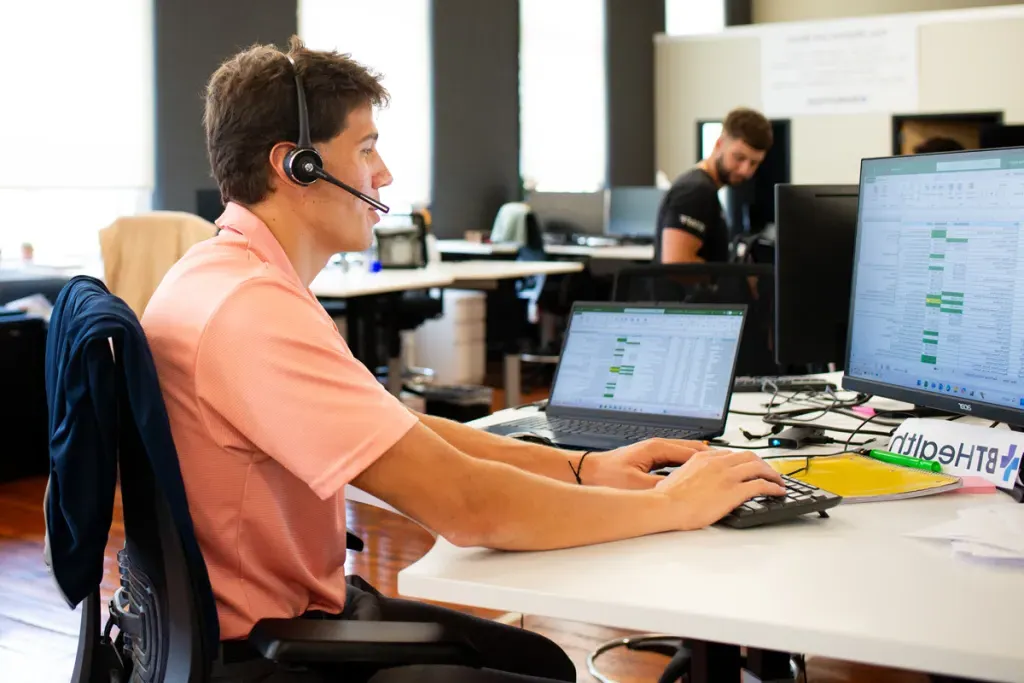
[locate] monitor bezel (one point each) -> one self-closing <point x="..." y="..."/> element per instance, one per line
<point x="921" y="399"/>
<point x="708" y="425"/>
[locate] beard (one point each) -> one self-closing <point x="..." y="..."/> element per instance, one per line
<point x="724" y="176"/>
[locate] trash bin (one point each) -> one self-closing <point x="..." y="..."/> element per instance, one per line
<point x="461" y="403"/>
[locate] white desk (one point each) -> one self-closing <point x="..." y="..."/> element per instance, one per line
<point x="335" y="283"/>
<point x="626" y="252"/>
<point x="467" y="248"/>
<point x="850" y="587"/>
<point x="465" y="272"/>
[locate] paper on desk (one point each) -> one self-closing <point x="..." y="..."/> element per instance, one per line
<point x="994" y="533"/>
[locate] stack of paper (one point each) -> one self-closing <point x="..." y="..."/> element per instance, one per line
<point x="992" y="534"/>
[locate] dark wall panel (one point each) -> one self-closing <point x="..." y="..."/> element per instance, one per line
<point x="475" y="55"/>
<point x="630" y="29"/>
<point x="192" y="38"/>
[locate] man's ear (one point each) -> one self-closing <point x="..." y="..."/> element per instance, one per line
<point x="276" y="160"/>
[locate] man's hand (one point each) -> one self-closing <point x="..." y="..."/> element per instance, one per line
<point x="629" y="467"/>
<point x="712" y="483"/>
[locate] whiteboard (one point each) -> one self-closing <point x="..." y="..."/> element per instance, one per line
<point x="850" y="66"/>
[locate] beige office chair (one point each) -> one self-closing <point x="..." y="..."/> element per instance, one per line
<point x="138" y="251"/>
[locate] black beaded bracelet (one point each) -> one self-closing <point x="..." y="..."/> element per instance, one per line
<point x="576" y="470"/>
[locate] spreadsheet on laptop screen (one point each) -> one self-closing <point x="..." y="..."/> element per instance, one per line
<point x="656" y="361"/>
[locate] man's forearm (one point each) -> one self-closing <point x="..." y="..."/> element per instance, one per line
<point x="544" y="460"/>
<point x="522" y="511"/>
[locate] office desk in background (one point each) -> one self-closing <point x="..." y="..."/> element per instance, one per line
<point x="851" y="587"/>
<point x="505" y="250"/>
<point x="335" y="283"/>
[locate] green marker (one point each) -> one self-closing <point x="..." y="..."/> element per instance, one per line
<point x="905" y="460"/>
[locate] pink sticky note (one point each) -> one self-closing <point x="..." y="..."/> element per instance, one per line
<point x="866" y="411"/>
<point x="975" y="485"/>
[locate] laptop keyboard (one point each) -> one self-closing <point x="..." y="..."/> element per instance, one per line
<point x="618" y="430"/>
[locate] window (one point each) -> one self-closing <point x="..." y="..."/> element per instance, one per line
<point x="562" y="91"/>
<point x="76" y="126"/>
<point x="391" y="37"/>
<point x="690" y="17"/>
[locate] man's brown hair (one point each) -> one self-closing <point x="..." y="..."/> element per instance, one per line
<point x="750" y="126"/>
<point x="251" y="106"/>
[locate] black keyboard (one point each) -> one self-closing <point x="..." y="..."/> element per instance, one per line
<point x="800" y="499"/>
<point x="563" y="426"/>
<point x="770" y="384"/>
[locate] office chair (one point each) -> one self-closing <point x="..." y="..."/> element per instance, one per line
<point x="167" y="631"/>
<point x="723" y="283"/>
<point x="545" y="301"/>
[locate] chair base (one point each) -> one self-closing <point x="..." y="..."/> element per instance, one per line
<point x="703" y="662"/>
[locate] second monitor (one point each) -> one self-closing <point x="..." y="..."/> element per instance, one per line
<point x="631" y="213"/>
<point x="816" y="234"/>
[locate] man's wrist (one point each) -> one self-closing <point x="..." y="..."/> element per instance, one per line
<point x="586" y="467"/>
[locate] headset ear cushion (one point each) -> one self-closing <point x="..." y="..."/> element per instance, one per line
<point x="300" y="165"/>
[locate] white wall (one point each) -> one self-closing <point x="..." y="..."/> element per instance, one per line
<point x="766" y="11"/>
<point x="968" y="61"/>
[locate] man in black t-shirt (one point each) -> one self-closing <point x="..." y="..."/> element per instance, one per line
<point x="691" y="224"/>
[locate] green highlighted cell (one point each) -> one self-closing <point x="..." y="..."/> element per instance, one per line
<point x="954" y="311"/>
<point x="931" y="333"/>
<point x="930" y="360"/>
<point x="956" y="240"/>
<point x="609" y="395"/>
<point x="938" y="268"/>
<point x="958" y="295"/>
<point x="939" y="233"/>
<point x="937" y="256"/>
<point x="930" y="341"/>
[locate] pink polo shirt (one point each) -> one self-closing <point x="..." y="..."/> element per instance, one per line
<point x="271" y="416"/>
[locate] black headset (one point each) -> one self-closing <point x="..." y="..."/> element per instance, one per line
<point x="303" y="164"/>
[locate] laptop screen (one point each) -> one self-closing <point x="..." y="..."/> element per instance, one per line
<point x="672" y="360"/>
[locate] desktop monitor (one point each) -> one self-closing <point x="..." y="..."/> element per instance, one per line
<point x="815" y="235"/>
<point x="632" y="211"/>
<point x="937" y="306"/>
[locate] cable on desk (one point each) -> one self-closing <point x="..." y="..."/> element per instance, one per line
<point x="798" y="397"/>
<point x="789" y="418"/>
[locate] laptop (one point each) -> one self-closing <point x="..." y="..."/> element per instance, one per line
<point x="630" y="372"/>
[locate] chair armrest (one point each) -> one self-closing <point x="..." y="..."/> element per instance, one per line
<point x="368" y="642"/>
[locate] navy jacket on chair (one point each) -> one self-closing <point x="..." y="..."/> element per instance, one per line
<point x="101" y="401"/>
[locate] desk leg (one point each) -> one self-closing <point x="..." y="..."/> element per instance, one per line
<point x="767" y="666"/>
<point x="714" y="662"/>
<point x="513" y="368"/>
<point x="396" y="367"/>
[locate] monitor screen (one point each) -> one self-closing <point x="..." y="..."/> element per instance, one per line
<point x="815" y="235"/>
<point x="937" y="309"/>
<point x="672" y="360"/>
<point x="633" y="211"/>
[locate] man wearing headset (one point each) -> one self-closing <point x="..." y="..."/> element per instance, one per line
<point x="272" y="415"/>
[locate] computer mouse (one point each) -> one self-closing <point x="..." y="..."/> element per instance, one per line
<point x="531" y="437"/>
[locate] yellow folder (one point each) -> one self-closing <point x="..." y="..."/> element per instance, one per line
<point x="859" y="478"/>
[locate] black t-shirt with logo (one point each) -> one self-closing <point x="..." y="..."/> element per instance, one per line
<point x="692" y="205"/>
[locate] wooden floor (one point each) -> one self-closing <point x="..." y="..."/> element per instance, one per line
<point x="38" y="631"/>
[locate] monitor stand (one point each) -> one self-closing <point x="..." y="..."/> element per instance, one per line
<point x="922" y="411"/>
